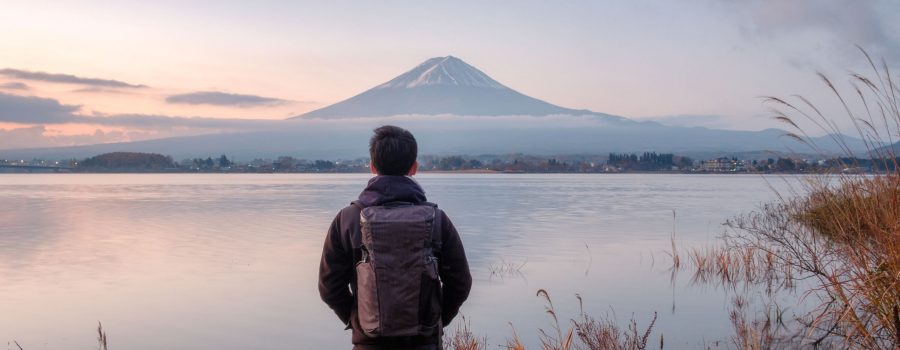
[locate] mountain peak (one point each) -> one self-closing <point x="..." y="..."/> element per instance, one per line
<point x="447" y="70"/>
<point x="444" y="85"/>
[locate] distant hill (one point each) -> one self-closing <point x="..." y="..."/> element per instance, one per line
<point x="443" y="85"/>
<point x="890" y="150"/>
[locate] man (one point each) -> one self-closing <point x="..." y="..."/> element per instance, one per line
<point x="381" y="250"/>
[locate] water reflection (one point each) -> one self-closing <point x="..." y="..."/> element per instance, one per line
<point x="230" y="261"/>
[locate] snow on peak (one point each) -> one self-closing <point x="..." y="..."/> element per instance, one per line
<point x="447" y="70"/>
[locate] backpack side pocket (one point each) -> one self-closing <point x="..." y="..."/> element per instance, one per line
<point x="430" y="298"/>
<point x="367" y="300"/>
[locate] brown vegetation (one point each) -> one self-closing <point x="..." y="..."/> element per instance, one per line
<point x="837" y="242"/>
<point x="464" y="339"/>
<point x="584" y="333"/>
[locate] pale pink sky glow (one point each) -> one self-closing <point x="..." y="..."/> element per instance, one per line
<point x="697" y="63"/>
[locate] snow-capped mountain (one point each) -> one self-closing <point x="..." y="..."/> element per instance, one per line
<point x="444" y="85"/>
<point x="447" y="70"/>
<point x="451" y="101"/>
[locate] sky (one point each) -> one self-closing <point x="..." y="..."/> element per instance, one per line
<point x="78" y="72"/>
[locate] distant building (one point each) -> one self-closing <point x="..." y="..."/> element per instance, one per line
<point x="721" y="164"/>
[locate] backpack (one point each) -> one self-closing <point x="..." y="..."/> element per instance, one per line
<point x="398" y="285"/>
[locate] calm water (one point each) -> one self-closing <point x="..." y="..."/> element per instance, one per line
<point x="226" y="261"/>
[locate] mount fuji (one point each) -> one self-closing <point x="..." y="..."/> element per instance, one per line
<point x="453" y="108"/>
<point x="444" y="85"/>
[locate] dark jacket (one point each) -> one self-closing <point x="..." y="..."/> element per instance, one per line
<point x="337" y="269"/>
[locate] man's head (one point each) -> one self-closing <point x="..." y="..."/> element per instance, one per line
<point x="393" y="151"/>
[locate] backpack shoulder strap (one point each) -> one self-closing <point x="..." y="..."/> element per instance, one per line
<point x="355" y="227"/>
<point x="436" y="229"/>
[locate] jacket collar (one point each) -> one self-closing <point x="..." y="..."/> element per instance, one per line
<point x="388" y="188"/>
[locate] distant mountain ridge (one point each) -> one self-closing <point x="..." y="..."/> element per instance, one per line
<point x="351" y="141"/>
<point x="443" y="85"/>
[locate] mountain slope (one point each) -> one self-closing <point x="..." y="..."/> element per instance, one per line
<point x="443" y="85"/>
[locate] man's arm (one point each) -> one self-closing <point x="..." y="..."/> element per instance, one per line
<point x="457" y="281"/>
<point x="335" y="272"/>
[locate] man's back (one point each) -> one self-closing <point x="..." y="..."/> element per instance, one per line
<point x="343" y="251"/>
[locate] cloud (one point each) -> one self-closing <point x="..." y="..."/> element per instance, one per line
<point x="102" y="90"/>
<point x="162" y="121"/>
<point x="36" y="137"/>
<point x="23" y="137"/>
<point x="14" y="85"/>
<point x="833" y="26"/>
<point x="223" y="99"/>
<point x="38" y="110"/>
<point x="65" y="79"/>
<point x="34" y="110"/>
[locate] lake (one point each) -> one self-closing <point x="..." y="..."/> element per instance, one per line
<point x="230" y="261"/>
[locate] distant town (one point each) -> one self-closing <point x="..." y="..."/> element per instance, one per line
<point x="649" y="162"/>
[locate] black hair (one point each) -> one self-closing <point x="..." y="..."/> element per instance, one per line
<point x="393" y="150"/>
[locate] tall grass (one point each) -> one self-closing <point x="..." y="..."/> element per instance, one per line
<point x="606" y="333"/>
<point x="837" y="244"/>
<point x="583" y="333"/>
<point x="464" y="339"/>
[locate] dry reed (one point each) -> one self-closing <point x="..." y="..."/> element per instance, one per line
<point x="838" y="243"/>
<point x="587" y="332"/>
<point x="584" y="333"/>
<point x="464" y="339"/>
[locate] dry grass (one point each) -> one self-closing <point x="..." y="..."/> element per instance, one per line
<point x="839" y="241"/>
<point x="606" y="334"/>
<point x="584" y="333"/>
<point x="556" y="339"/>
<point x="676" y="257"/>
<point x="765" y="330"/>
<point x="464" y="339"/>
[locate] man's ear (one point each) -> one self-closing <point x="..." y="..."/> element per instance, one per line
<point x="372" y="168"/>
<point x="413" y="169"/>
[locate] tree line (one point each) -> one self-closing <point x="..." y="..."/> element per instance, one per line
<point x="615" y="162"/>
